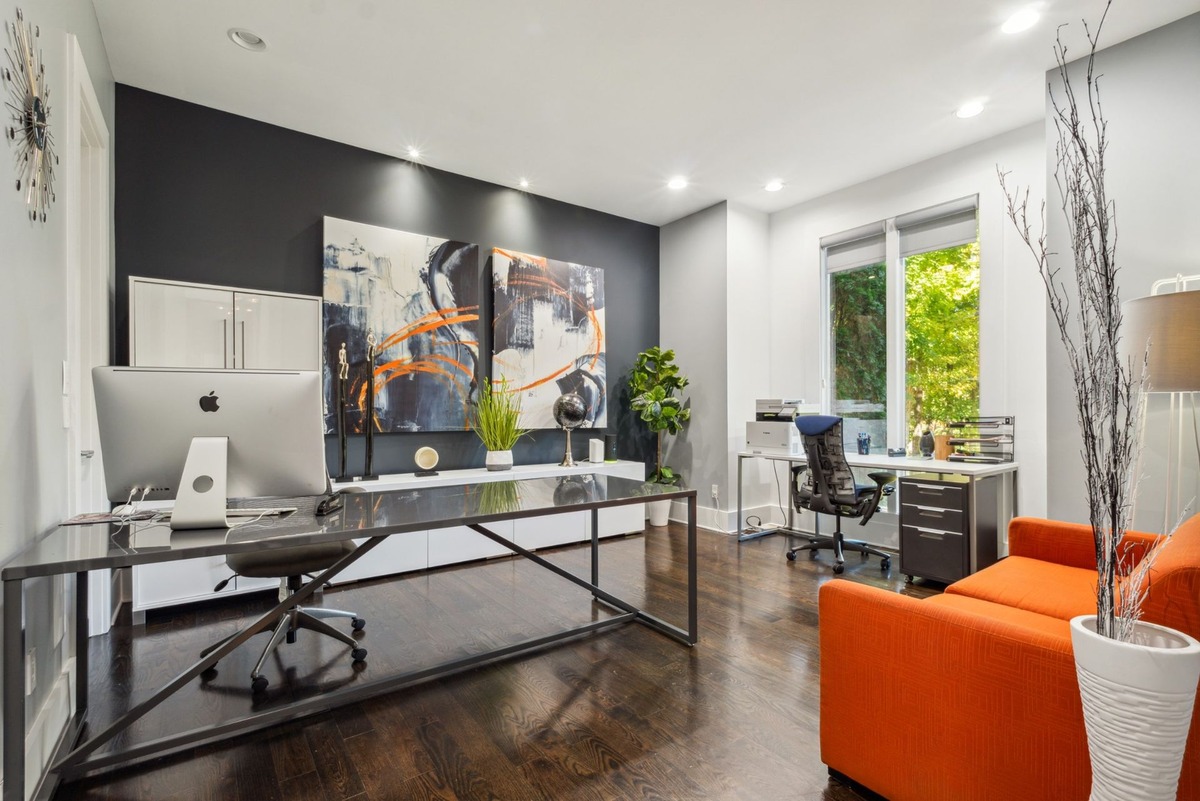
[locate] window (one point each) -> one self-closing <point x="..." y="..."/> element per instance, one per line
<point x="903" y="324"/>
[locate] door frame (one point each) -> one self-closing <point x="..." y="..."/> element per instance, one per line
<point x="89" y="283"/>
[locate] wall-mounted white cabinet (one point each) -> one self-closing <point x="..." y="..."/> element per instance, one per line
<point x="174" y="324"/>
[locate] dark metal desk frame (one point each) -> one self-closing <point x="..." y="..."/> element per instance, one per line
<point x="82" y="548"/>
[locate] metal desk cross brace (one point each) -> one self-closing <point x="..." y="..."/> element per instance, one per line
<point x="75" y="760"/>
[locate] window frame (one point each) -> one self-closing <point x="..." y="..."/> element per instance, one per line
<point x="952" y="213"/>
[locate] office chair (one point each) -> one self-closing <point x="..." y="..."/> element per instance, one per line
<point x="829" y="488"/>
<point x="290" y="565"/>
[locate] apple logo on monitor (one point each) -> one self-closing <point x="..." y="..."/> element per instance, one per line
<point x="208" y="403"/>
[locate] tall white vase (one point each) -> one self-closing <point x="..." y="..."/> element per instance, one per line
<point x="1137" y="707"/>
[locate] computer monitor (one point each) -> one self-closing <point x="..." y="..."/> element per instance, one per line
<point x="201" y="437"/>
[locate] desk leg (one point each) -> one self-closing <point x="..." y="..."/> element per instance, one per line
<point x="596" y="547"/>
<point x="737" y="522"/>
<point x="693" y="618"/>
<point x="744" y="536"/>
<point x="14" y="694"/>
<point x="81" y="642"/>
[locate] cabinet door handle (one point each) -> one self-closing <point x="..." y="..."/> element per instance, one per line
<point x="225" y="342"/>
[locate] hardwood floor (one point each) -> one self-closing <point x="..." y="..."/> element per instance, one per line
<point x="623" y="714"/>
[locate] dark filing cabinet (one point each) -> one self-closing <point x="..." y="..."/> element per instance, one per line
<point x="943" y="536"/>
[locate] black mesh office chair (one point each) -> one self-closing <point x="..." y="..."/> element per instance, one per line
<point x="290" y="565"/>
<point x="825" y="485"/>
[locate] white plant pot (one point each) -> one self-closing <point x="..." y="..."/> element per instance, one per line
<point x="498" y="460"/>
<point x="1137" y="707"/>
<point x="660" y="512"/>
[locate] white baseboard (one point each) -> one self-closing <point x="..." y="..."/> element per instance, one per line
<point x="722" y="520"/>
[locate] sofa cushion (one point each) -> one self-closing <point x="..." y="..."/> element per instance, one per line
<point x="1045" y="588"/>
<point x="1055" y="627"/>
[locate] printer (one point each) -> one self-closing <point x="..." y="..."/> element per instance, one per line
<point x="773" y="430"/>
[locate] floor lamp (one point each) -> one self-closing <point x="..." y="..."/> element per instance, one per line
<point x="1170" y="323"/>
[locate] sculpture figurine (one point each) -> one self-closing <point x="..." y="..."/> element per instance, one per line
<point x="342" y="377"/>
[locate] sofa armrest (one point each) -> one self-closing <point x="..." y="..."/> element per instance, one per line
<point x="1069" y="544"/>
<point x="920" y="700"/>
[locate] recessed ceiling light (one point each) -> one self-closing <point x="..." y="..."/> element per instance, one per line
<point x="414" y="153"/>
<point x="774" y="186"/>
<point x="1023" y="20"/>
<point x="972" y="108"/>
<point x="247" y="39"/>
<point x="524" y="183"/>
<point x="678" y="182"/>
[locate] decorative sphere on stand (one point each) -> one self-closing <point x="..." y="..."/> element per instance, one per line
<point x="569" y="412"/>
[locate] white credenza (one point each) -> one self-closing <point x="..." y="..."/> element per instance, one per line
<point x="171" y="583"/>
<point x="175" y="324"/>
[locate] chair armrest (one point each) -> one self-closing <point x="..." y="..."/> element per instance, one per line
<point x="1069" y="544"/>
<point x="916" y="697"/>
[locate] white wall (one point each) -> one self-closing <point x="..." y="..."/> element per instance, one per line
<point x="33" y="444"/>
<point x="1012" y="313"/>
<point x="693" y="261"/>
<point x="750" y="353"/>
<point x="1149" y="94"/>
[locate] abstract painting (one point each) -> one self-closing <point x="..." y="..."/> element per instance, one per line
<point x="548" y="334"/>
<point x="417" y="297"/>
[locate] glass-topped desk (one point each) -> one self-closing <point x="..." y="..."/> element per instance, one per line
<point x="374" y="516"/>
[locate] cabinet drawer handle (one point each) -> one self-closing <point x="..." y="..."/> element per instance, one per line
<point x="930" y="488"/>
<point x="931" y="536"/>
<point x="932" y="531"/>
<point x="930" y="510"/>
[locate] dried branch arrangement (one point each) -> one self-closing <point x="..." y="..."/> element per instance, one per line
<point x="1108" y="389"/>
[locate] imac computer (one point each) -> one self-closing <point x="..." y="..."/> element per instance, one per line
<point x="201" y="437"/>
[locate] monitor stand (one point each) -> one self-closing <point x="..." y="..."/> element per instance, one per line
<point x="201" y="496"/>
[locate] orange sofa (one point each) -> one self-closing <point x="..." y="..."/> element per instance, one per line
<point x="971" y="695"/>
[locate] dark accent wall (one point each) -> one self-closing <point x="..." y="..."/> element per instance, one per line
<point x="210" y="197"/>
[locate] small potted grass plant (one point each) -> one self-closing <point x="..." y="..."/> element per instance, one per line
<point x="495" y="419"/>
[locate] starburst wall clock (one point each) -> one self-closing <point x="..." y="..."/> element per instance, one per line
<point x="28" y="104"/>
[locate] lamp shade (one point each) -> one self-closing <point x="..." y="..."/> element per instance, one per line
<point x="1170" y="323"/>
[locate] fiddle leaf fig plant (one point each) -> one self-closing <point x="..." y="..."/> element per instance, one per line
<point x="653" y="383"/>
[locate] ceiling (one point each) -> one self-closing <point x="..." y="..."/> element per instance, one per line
<point x="599" y="103"/>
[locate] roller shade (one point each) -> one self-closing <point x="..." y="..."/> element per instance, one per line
<point x="857" y="248"/>
<point x="945" y="226"/>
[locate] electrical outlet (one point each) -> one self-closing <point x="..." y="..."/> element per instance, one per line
<point x="716" y="491"/>
<point x="31" y="671"/>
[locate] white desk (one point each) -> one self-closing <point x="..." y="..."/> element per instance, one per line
<point x="972" y="471"/>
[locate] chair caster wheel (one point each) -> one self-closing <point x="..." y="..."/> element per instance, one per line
<point x="358" y="624"/>
<point x="791" y="556"/>
<point x="838" y="568"/>
<point x="259" y="684"/>
<point x="864" y="556"/>
<point x="359" y="654"/>
<point x="885" y="565"/>
<point x="209" y="674"/>
<point x="812" y="554"/>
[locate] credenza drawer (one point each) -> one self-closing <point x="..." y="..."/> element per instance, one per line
<point x="932" y="553"/>
<point x="933" y="517"/>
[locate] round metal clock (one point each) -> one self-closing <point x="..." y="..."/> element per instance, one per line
<point x="28" y="104"/>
